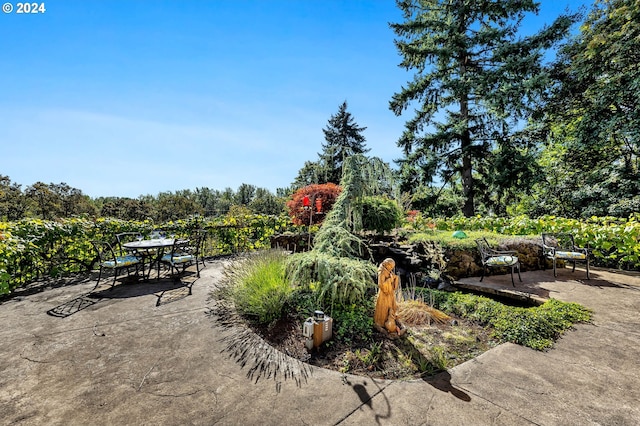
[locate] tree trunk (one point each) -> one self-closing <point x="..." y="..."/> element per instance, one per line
<point x="467" y="179"/>
<point x="465" y="145"/>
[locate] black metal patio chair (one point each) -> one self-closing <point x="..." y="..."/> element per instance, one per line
<point x="183" y="254"/>
<point x="491" y="258"/>
<point x="561" y="246"/>
<point x="198" y="237"/>
<point x="109" y="260"/>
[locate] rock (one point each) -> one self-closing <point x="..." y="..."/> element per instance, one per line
<point x="446" y="283"/>
<point x="415" y="262"/>
<point x="463" y="263"/>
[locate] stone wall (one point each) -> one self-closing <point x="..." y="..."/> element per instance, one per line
<point x="419" y="258"/>
<point x="465" y="263"/>
<point x="294" y="243"/>
<point x="456" y="263"/>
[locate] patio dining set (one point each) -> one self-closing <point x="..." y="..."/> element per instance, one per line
<point x="132" y="252"/>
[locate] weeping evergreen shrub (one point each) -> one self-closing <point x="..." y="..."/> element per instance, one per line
<point x="342" y="279"/>
<point x="338" y="258"/>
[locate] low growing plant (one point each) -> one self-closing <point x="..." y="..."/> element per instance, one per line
<point x="353" y="323"/>
<point x="445" y="238"/>
<point x="438" y="357"/>
<point x="536" y="327"/>
<point x="303" y="301"/>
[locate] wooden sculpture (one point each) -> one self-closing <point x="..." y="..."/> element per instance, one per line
<point x="384" y="316"/>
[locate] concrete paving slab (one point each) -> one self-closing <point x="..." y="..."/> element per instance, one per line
<point x="151" y="353"/>
<point x="435" y="402"/>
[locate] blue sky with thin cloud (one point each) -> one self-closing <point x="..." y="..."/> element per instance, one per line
<point x="128" y="98"/>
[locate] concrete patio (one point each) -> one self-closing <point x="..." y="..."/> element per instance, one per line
<point x="150" y="353"/>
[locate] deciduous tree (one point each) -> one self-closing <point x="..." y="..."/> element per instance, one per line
<point x="326" y="192"/>
<point x="265" y="202"/>
<point x="178" y="205"/>
<point x="48" y="204"/>
<point x="597" y="106"/>
<point x="13" y="204"/>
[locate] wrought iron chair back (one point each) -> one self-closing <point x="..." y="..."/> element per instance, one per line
<point x="109" y="260"/>
<point x="183" y="254"/>
<point x="127" y="237"/>
<point x="562" y="246"/>
<point x="198" y="237"/>
<point x="491" y="258"/>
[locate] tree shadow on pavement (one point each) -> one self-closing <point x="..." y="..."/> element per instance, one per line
<point x="366" y="399"/>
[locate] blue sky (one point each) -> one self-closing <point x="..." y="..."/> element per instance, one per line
<point x="128" y="98"/>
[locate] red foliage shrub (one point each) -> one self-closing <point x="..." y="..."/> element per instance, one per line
<point x="326" y="192"/>
<point x="411" y="215"/>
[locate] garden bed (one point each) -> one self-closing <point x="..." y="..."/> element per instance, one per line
<point x="423" y="351"/>
<point x="444" y="328"/>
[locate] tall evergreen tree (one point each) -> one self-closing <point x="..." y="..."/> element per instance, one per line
<point x="310" y="173"/>
<point x="343" y="139"/>
<point x="475" y="81"/>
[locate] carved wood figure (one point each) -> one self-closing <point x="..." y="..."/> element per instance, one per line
<point x="384" y="316"/>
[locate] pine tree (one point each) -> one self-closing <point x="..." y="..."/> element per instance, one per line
<point x="475" y="80"/>
<point x="343" y="139"/>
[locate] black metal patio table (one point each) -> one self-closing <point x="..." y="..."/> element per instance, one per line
<point x="150" y="249"/>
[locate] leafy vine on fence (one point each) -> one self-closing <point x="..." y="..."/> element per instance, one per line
<point x="32" y="249"/>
